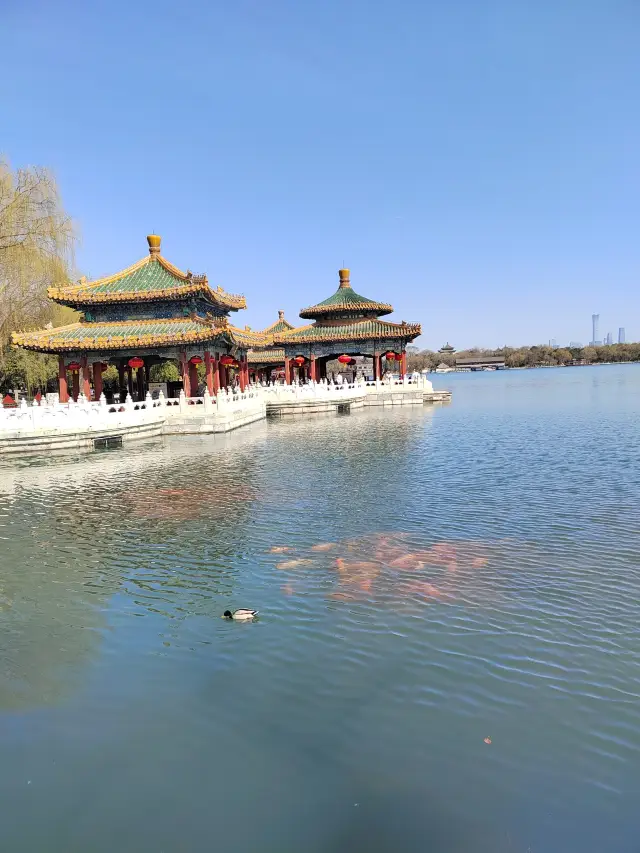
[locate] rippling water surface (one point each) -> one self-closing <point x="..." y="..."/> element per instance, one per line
<point x="426" y="580"/>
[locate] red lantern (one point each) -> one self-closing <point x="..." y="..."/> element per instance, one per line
<point x="344" y="359"/>
<point x="398" y="356"/>
<point x="299" y="360"/>
<point x="195" y="359"/>
<point x="352" y="361"/>
<point x="135" y="362"/>
<point x="390" y="356"/>
<point x="74" y="365"/>
<point x="227" y="360"/>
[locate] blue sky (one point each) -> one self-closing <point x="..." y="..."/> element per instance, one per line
<point x="475" y="162"/>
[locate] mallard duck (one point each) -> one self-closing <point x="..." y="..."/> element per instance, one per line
<point x="241" y="615"/>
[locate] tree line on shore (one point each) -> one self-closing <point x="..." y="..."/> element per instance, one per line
<point x="534" y="356"/>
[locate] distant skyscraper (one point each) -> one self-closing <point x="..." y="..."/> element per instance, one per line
<point x="609" y="339"/>
<point x="595" y="320"/>
<point x="621" y="335"/>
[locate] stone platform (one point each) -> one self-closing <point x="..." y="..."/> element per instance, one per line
<point x="226" y="412"/>
<point x="52" y="426"/>
<point x="415" y="390"/>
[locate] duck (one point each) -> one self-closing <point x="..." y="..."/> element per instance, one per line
<point x="240" y="615"/>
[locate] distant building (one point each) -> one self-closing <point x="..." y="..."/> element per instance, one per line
<point x="595" y="324"/>
<point x="621" y="335"/>
<point x="447" y="349"/>
<point x="575" y="345"/>
<point x="609" y="339"/>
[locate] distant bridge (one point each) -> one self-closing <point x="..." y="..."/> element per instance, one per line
<point x="480" y="362"/>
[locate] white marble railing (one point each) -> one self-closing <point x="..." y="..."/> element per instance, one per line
<point x="50" y="414"/>
<point x="312" y="391"/>
<point x="413" y="381"/>
<point x="329" y="390"/>
<point x="229" y="400"/>
<point x="90" y="415"/>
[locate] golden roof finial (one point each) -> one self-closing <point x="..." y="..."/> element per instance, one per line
<point x="344" y="278"/>
<point x="280" y="315"/>
<point x="154" y="244"/>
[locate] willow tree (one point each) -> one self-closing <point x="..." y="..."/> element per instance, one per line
<point x="36" y="252"/>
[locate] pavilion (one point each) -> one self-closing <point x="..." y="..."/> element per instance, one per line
<point x="447" y="349"/>
<point x="263" y="361"/>
<point x="146" y="314"/>
<point x="345" y="325"/>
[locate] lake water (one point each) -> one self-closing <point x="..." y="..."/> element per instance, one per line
<point x="483" y="582"/>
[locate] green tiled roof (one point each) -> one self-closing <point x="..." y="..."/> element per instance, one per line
<point x="371" y="329"/>
<point x="132" y="334"/>
<point x="152" y="278"/>
<point x="346" y="300"/>
<point x="281" y="325"/>
<point x="266" y="356"/>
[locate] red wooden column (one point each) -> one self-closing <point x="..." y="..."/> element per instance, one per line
<point x="140" y="375"/>
<point x="312" y="369"/>
<point x="243" y="375"/>
<point x="76" y="385"/>
<point x="193" y="378"/>
<point x="215" y="373"/>
<point x="184" y="372"/>
<point x="287" y="370"/>
<point x="86" y="385"/>
<point x="222" y="373"/>
<point x="63" y="388"/>
<point x="121" y="379"/>
<point x="97" y="378"/>
<point x="207" y="372"/>
<point x="403" y="365"/>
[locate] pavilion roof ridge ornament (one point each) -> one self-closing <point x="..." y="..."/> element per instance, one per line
<point x="155" y="242"/>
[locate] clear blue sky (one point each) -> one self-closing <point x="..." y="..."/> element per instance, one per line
<point x="475" y="162"/>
